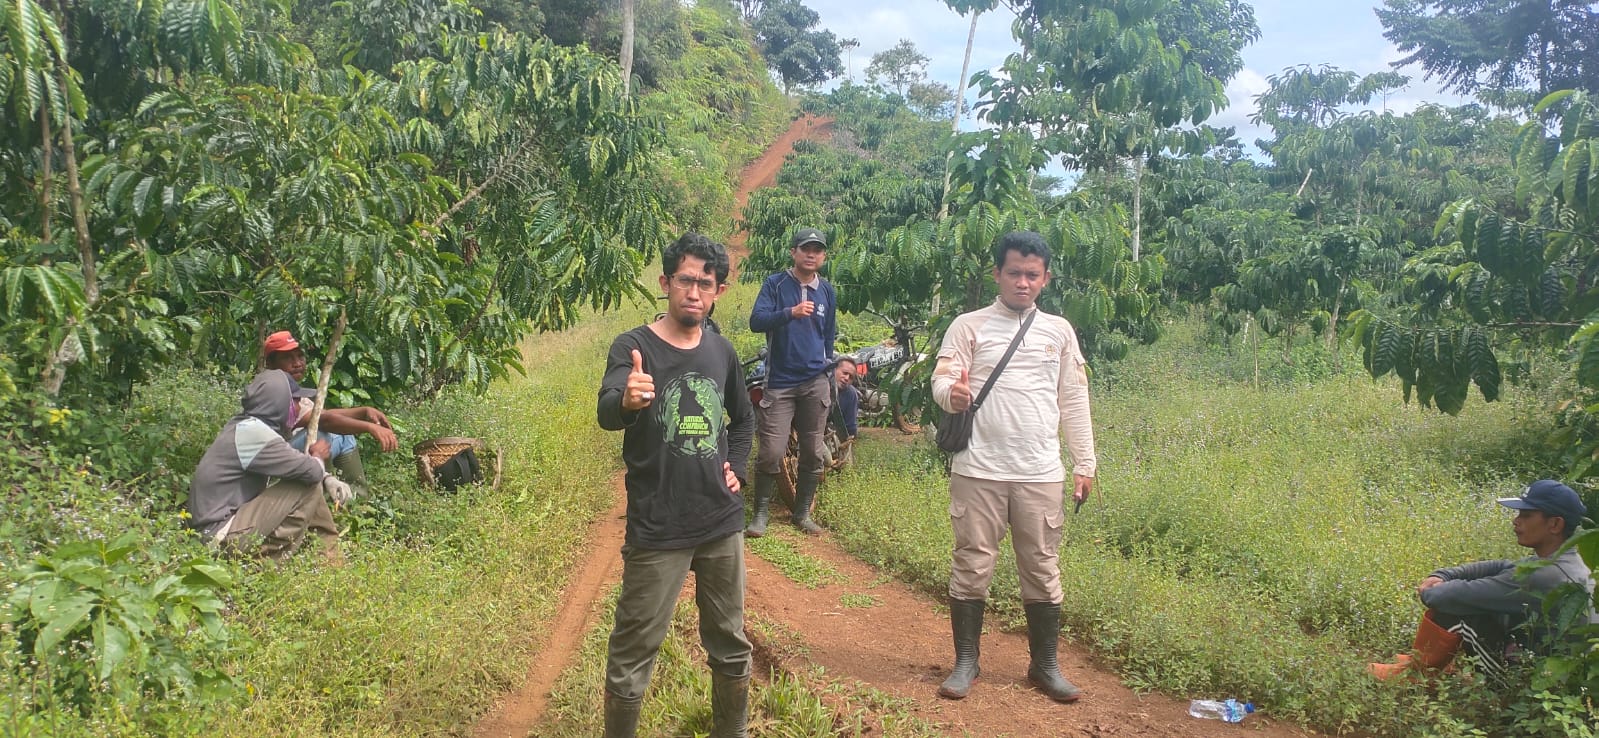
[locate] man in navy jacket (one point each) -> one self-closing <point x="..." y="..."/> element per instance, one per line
<point x="798" y="311"/>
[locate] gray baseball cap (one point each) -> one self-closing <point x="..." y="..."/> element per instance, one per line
<point x="808" y="235"/>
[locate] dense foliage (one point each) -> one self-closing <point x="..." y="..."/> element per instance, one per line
<point x="218" y="183"/>
<point x="441" y="178"/>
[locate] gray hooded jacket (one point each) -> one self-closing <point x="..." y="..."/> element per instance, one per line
<point x="248" y="454"/>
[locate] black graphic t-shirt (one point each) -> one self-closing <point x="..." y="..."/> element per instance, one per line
<point x="677" y="496"/>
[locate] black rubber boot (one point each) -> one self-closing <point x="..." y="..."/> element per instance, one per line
<point x="621" y="716"/>
<point x="352" y="471"/>
<point x="730" y="698"/>
<point x="764" y="483"/>
<point x="966" y="620"/>
<point x="1043" y="634"/>
<point x="804" y="495"/>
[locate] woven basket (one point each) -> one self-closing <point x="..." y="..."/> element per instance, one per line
<point x="432" y="453"/>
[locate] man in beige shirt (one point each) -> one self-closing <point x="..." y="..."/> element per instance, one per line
<point x="1011" y="474"/>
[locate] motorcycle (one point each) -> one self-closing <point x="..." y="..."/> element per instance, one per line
<point x="881" y="371"/>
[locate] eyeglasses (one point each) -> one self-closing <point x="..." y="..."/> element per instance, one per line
<point x="685" y="283"/>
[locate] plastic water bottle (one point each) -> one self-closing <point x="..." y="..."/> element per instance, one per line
<point x="1229" y="711"/>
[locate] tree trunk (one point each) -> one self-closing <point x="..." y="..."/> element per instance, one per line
<point x="260" y="342"/>
<point x="1306" y="181"/>
<point x="1254" y="344"/>
<point x="1338" y="304"/>
<point x="1138" y="206"/>
<point x="627" y="47"/>
<point x="71" y="348"/>
<point x="960" y="109"/>
<point x="46" y="167"/>
<point x="327" y="374"/>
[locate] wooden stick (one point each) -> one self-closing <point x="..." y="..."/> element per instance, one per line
<point x="327" y="374"/>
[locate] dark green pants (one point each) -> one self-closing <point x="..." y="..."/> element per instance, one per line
<point x="651" y="581"/>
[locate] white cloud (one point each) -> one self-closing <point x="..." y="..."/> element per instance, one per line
<point x="1241" y="92"/>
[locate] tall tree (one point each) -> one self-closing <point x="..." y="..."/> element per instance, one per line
<point x="214" y="181"/>
<point x="750" y="9"/>
<point x="975" y="8"/>
<point x="627" y="47"/>
<point x="1107" y="84"/>
<point x="1512" y="52"/>
<point x="849" y="45"/>
<point x="900" y="65"/>
<point x="794" y="48"/>
<point x="1503" y="275"/>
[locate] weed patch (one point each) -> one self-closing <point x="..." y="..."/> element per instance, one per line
<point x="1258" y="542"/>
<point x="803" y="570"/>
<point x="851" y="600"/>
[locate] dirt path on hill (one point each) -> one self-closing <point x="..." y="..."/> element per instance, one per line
<point x="891" y="638"/>
<point x="763" y="173"/>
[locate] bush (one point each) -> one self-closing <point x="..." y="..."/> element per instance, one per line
<point x="119" y="631"/>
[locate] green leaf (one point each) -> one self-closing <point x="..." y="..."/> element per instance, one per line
<point x="64" y="618"/>
<point x="111" y="645"/>
<point x="209" y="575"/>
<point x="1550" y="100"/>
<point x="1587" y="348"/>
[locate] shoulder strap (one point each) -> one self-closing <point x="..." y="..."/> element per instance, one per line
<point x="1003" y="360"/>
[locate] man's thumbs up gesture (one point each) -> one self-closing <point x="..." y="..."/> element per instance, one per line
<point x="640" y="386"/>
<point x="960" y="395"/>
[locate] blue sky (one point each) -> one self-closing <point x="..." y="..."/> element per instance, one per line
<point x="1344" y="34"/>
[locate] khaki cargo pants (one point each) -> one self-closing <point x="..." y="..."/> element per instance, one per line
<point x="980" y="510"/>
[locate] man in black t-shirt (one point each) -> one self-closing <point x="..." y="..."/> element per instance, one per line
<point x="676" y="391"/>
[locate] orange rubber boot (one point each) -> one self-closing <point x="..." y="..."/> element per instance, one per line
<point x="1435" y="646"/>
<point x="1384" y="672"/>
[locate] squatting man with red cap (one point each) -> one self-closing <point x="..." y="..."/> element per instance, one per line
<point x="1486" y="606"/>
<point x="338" y="425"/>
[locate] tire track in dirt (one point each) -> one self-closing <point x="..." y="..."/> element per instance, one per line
<point x="517" y="714"/>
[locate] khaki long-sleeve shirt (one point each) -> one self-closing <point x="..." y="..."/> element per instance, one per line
<point x="1040" y="398"/>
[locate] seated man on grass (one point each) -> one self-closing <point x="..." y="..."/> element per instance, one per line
<point x="1484" y="606"/>
<point x="338" y="425"/>
<point x="252" y="492"/>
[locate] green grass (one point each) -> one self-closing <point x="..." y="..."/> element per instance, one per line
<point x="777" y="548"/>
<point x="853" y="600"/>
<point x="444" y="596"/>
<point x="1262" y="543"/>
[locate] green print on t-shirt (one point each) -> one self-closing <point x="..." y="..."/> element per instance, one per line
<point x="691" y="415"/>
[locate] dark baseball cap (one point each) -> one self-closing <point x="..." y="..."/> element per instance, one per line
<point x="1550" y="498"/>
<point x="808" y="235"/>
